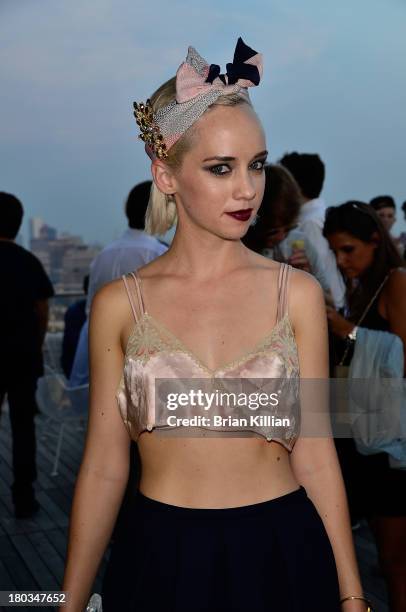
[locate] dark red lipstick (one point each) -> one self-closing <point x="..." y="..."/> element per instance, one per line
<point x="241" y="215"/>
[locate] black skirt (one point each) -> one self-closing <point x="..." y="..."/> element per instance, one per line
<point x="273" y="556"/>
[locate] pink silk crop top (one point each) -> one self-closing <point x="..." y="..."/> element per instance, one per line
<point x="154" y="352"/>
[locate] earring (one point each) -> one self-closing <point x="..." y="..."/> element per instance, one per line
<point x="255" y="219"/>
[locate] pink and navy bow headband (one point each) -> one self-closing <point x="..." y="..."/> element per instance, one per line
<point x="198" y="85"/>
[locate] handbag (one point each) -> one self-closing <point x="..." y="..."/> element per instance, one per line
<point x="341" y="370"/>
<point x="95" y="603"/>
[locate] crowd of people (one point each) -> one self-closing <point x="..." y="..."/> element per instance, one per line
<point x="360" y="265"/>
<point x="348" y="249"/>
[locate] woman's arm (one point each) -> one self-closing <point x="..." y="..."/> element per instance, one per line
<point x="394" y="300"/>
<point x="394" y="305"/>
<point x="314" y="459"/>
<point x="104" y="469"/>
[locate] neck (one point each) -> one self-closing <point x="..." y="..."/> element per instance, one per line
<point x="201" y="255"/>
<point x="306" y="200"/>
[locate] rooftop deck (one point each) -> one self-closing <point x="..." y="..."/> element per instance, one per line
<point x="32" y="552"/>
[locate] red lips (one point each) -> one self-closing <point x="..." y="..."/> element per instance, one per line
<point x="241" y="215"/>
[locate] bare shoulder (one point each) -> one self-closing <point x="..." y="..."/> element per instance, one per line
<point x="262" y="266"/>
<point x="109" y="312"/>
<point x="396" y="284"/>
<point x="256" y="259"/>
<point x="305" y="299"/>
<point x="157" y="268"/>
<point x="110" y="296"/>
<point x="303" y="287"/>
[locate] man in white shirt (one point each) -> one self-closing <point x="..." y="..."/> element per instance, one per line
<point x="309" y="172"/>
<point x="132" y="250"/>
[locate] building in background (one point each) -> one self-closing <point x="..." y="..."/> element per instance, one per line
<point x="66" y="260"/>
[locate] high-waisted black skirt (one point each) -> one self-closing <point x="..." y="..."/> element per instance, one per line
<point x="273" y="556"/>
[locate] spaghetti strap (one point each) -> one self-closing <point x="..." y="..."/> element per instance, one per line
<point x="283" y="278"/>
<point x="137" y="282"/>
<point x="134" y="296"/>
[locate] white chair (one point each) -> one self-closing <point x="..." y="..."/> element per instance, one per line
<point x="52" y="350"/>
<point x="62" y="406"/>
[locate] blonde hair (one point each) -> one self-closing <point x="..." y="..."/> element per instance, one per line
<point x="161" y="213"/>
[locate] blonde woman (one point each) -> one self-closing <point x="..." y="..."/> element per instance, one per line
<point x="227" y="522"/>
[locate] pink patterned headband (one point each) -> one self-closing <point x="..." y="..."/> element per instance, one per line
<point x="198" y="85"/>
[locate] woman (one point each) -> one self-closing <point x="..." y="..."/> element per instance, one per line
<point x="274" y="233"/>
<point x="219" y="523"/>
<point x="371" y="264"/>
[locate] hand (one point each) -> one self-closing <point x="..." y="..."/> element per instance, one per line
<point x="328" y="296"/>
<point x="338" y="324"/>
<point x="298" y="259"/>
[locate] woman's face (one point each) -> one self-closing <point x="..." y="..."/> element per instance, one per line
<point x="223" y="172"/>
<point x="277" y="234"/>
<point x="387" y="216"/>
<point x="353" y="256"/>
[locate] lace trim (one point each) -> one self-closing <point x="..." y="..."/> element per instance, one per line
<point x="148" y="337"/>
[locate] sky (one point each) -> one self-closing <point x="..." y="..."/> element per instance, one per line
<point x="334" y="83"/>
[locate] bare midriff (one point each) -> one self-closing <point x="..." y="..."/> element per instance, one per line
<point x="213" y="472"/>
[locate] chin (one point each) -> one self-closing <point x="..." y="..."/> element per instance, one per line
<point x="232" y="234"/>
<point x="351" y="274"/>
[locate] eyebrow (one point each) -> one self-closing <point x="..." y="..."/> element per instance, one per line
<point x="227" y="159"/>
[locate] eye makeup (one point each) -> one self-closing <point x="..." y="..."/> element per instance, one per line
<point x="257" y="165"/>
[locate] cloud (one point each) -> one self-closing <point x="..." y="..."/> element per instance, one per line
<point x="71" y="69"/>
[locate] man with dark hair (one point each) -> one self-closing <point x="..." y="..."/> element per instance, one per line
<point x="385" y="208"/>
<point x="132" y="250"/>
<point x="136" y="205"/>
<point x="309" y="171"/>
<point x="25" y="290"/>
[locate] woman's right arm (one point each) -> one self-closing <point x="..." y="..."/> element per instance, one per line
<point x="104" y="470"/>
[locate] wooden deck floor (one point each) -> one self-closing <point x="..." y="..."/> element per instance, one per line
<point x="32" y="552"/>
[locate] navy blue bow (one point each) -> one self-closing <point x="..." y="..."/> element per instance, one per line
<point x="237" y="69"/>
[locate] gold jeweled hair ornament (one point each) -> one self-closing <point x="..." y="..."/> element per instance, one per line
<point x="150" y="132"/>
<point x="198" y="86"/>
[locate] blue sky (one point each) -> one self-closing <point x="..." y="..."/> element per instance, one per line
<point x="334" y="83"/>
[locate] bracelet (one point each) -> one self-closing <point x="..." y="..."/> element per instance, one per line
<point x="350" y="597"/>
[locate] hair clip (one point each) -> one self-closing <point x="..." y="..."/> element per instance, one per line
<point x="150" y="132"/>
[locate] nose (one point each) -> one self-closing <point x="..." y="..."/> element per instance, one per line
<point x="244" y="188"/>
<point x="341" y="259"/>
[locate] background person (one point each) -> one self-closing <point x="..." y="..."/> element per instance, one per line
<point x="133" y="249"/>
<point x="309" y="172"/>
<point x="275" y="232"/>
<point x="385" y="208"/>
<point x="365" y="253"/>
<point x="25" y="290"/>
<point x="75" y="317"/>
<point x="402" y="237"/>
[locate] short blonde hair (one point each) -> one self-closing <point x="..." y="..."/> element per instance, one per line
<point x="161" y="213"/>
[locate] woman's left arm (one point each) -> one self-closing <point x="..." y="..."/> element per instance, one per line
<point x="314" y="459"/>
